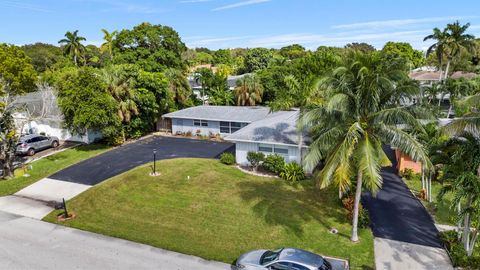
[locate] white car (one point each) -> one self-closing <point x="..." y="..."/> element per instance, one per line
<point x="288" y="259"/>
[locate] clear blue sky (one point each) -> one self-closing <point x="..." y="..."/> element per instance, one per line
<point x="239" y="23"/>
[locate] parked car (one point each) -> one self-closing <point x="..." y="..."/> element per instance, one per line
<point x="30" y="144"/>
<point x="288" y="259"/>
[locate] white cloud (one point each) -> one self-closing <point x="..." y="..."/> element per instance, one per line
<point x="240" y="4"/>
<point x="399" y="23"/>
<point x="20" y="5"/>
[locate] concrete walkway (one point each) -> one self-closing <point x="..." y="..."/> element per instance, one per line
<point x="33" y="244"/>
<point x="37" y="200"/>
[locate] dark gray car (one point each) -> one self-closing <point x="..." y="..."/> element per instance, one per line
<point x="288" y="259"/>
<point x="30" y="144"/>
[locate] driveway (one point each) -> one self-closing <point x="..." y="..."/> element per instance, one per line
<point x="129" y="156"/>
<point x="33" y="244"/>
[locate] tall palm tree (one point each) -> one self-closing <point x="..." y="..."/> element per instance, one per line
<point x="107" y="46"/>
<point x="438" y="47"/>
<point x="120" y="88"/>
<point x="249" y="91"/>
<point x="178" y="86"/>
<point x="469" y="122"/>
<point x="73" y="46"/>
<point x="456" y="40"/>
<point x="299" y="94"/>
<point x="362" y="112"/>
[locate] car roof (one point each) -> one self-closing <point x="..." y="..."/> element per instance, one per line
<point x="301" y="256"/>
<point x="29" y="136"/>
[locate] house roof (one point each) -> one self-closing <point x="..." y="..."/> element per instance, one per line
<point x="427" y="75"/>
<point x="278" y="128"/>
<point x="231" y="81"/>
<point x="243" y="114"/>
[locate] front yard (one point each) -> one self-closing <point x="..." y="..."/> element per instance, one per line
<point x="204" y="208"/>
<point x="48" y="165"/>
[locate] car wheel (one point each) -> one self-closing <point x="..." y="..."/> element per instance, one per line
<point x="54" y="144"/>
<point x="31" y="152"/>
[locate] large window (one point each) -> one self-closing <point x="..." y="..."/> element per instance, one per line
<point x="198" y="123"/>
<point x="273" y="149"/>
<point x="231" y="127"/>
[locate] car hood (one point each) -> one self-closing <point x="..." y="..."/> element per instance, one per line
<point x="252" y="257"/>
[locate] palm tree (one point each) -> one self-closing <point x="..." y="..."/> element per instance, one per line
<point x="299" y="94"/>
<point x="73" y="45"/>
<point x="456" y="40"/>
<point x="469" y="122"/>
<point x="249" y="91"/>
<point x="362" y="112"/>
<point x="439" y="46"/>
<point x="107" y="46"/>
<point x="120" y="88"/>
<point x="178" y="86"/>
<point x="204" y="77"/>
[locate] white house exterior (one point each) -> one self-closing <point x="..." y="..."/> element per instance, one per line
<point x="252" y="129"/>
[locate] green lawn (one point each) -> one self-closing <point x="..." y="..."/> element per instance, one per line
<point x="439" y="210"/>
<point x="219" y="213"/>
<point x="49" y="165"/>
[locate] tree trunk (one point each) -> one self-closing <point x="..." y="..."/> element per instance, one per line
<point x="466" y="233"/>
<point x="356" y="207"/>
<point x="75" y="60"/>
<point x="449" y="108"/>
<point x="459" y="223"/>
<point x="472" y="243"/>
<point x="447" y="68"/>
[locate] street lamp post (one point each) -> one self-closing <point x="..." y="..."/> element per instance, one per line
<point x="154" y="162"/>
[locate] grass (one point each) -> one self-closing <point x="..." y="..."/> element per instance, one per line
<point x="440" y="210"/>
<point x="218" y="213"/>
<point x="49" y="165"/>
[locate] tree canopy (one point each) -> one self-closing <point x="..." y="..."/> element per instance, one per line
<point x="16" y="70"/>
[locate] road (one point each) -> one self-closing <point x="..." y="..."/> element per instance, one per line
<point x="34" y="244"/>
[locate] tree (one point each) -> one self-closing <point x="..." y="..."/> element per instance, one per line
<point x="16" y="71"/>
<point x="457" y="40"/>
<point x="219" y="93"/>
<point x="249" y="91"/>
<point x="86" y="104"/>
<point x="179" y="87"/>
<point x="222" y="56"/>
<point x="362" y="47"/>
<point x="362" y="112"/>
<point x="257" y="59"/>
<point x="393" y="50"/>
<point x="72" y="46"/>
<point x="438" y="47"/>
<point x="107" y="46"/>
<point x="44" y="56"/>
<point x="293" y="51"/>
<point x="153" y="47"/>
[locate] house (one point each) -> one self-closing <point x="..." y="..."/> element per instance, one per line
<point x="197" y="87"/>
<point x="254" y="129"/>
<point x="38" y="113"/>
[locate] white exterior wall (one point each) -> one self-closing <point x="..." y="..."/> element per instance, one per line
<point x="186" y="125"/>
<point x="242" y="148"/>
<point x="61" y="133"/>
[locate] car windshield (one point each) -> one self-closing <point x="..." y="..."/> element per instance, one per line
<point x="270" y="256"/>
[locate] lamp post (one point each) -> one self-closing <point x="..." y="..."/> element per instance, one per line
<point x="154" y="162"/>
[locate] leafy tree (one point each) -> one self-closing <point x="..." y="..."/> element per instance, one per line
<point x="362" y="47"/>
<point x="16" y="71"/>
<point x="179" y="88"/>
<point x="393" y="50"/>
<point x="222" y="56"/>
<point x="86" y="104"/>
<point x="272" y="80"/>
<point x="93" y="56"/>
<point x="219" y="93"/>
<point x="293" y="51"/>
<point x="153" y="47"/>
<point x="257" y="59"/>
<point x="72" y="46"/>
<point x="457" y="40"/>
<point x="249" y="91"/>
<point x="44" y="56"/>
<point x="107" y="46"/>
<point x="362" y="113"/>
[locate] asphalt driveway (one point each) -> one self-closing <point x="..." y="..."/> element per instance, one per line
<point x="124" y="158"/>
<point x="396" y="214"/>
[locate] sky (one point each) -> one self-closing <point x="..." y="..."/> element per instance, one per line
<point x="240" y="23"/>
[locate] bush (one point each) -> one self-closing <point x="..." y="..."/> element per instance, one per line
<point x="457" y="252"/>
<point x="407" y="174"/>
<point x="363" y="216"/>
<point x="255" y="158"/>
<point x="274" y="163"/>
<point x="292" y="172"/>
<point x="227" y="158"/>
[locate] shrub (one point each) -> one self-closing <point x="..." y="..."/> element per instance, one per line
<point x="292" y="172"/>
<point x="457" y="252"/>
<point x="363" y="216"/>
<point x="188" y="134"/>
<point x="227" y="158"/>
<point x="255" y="158"/>
<point x="407" y="174"/>
<point x="274" y="163"/>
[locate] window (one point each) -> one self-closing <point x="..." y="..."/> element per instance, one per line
<point x="281" y="151"/>
<point x="280" y="266"/>
<point x="231" y="127"/>
<point x="271" y="149"/>
<point x="266" y="148"/>
<point x="295" y="266"/>
<point x="198" y="123"/>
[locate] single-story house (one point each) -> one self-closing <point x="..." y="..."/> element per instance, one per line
<point x="250" y="128"/>
<point x="197" y="86"/>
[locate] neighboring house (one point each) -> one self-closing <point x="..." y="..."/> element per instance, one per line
<point x="38" y="113"/>
<point x="427" y="76"/>
<point x="197" y="87"/>
<point x="250" y="128"/>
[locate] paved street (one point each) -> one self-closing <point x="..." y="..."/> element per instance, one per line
<point x="129" y="156"/>
<point x="33" y="244"/>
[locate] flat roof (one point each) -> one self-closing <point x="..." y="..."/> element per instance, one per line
<point x="244" y="114"/>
